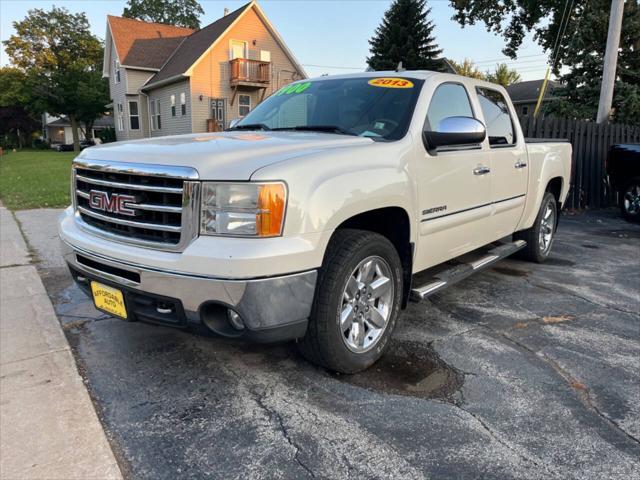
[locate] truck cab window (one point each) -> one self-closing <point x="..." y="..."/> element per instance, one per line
<point x="496" y="118"/>
<point x="449" y="100"/>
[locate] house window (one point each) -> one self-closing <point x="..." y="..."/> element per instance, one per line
<point x="183" y="104"/>
<point x="173" y="105"/>
<point x="525" y="110"/>
<point x="120" y="116"/>
<point x="116" y="71"/>
<point x="244" y="105"/>
<point x="158" y="116"/>
<point x="134" y="116"/>
<point x="152" y="108"/>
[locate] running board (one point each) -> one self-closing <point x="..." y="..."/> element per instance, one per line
<point x="433" y="281"/>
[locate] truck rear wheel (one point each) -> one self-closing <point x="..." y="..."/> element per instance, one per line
<point x="357" y="302"/>
<point x="540" y="236"/>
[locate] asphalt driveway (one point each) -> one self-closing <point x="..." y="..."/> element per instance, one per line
<point x="523" y="371"/>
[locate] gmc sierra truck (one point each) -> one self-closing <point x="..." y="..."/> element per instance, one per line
<point x="319" y="215"/>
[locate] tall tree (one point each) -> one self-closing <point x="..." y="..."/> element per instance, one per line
<point x="62" y="60"/>
<point x="17" y="123"/>
<point x="503" y="75"/>
<point x="405" y="35"/>
<point x="467" y="69"/>
<point x="585" y="55"/>
<point x="181" y="13"/>
<point x="574" y="34"/>
<point x="13" y="89"/>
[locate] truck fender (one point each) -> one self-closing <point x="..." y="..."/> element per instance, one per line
<point x="545" y="164"/>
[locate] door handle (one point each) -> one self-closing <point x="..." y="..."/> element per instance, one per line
<point x="481" y="170"/>
<point x="520" y="165"/>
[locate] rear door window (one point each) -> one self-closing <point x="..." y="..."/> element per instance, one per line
<point x="497" y="118"/>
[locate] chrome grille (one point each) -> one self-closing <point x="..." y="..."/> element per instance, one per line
<point x="161" y="201"/>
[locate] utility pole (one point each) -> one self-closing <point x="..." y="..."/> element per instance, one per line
<point x="610" y="60"/>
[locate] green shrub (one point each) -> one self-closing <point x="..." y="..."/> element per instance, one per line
<point x="108" y="135"/>
<point x="41" y="144"/>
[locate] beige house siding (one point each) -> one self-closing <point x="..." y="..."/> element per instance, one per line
<point x="136" y="79"/>
<point x="172" y="125"/>
<point x="118" y="95"/>
<point x="211" y="76"/>
<point x="122" y="93"/>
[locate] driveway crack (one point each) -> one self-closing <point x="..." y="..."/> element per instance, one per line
<point x="583" y="392"/>
<point x="498" y="439"/>
<point x="580" y="297"/>
<point x="259" y="399"/>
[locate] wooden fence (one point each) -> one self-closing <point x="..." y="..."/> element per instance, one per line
<point x="590" y="142"/>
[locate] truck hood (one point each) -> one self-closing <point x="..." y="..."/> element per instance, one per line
<point x="222" y="156"/>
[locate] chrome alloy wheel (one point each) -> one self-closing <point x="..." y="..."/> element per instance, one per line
<point x="367" y="303"/>
<point x="631" y="200"/>
<point x="547" y="226"/>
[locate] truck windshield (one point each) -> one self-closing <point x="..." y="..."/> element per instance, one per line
<point x="376" y="107"/>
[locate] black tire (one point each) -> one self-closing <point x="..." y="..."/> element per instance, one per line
<point x="535" y="250"/>
<point x="324" y="343"/>
<point x="629" y="206"/>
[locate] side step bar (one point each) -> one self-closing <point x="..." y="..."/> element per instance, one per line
<point x="445" y="278"/>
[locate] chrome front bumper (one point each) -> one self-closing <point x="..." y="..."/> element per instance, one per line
<point x="271" y="309"/>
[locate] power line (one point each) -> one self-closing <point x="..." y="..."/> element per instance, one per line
<point x="510" y="64"/>
<point x="561" y="30"/>
<point x="508" y="59"/>
<point x="545" y="106"/>
<point x="333" y="66"/>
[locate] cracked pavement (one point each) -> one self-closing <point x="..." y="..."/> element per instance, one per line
<point x="522" y="371"/>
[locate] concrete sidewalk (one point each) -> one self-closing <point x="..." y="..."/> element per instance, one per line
<point x="48" y="426"/>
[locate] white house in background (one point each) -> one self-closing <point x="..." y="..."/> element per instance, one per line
<point x="167" y="80"/>
<point x="57" y="130"/>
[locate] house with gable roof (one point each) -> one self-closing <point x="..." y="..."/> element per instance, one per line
<point x="167" y="80"/>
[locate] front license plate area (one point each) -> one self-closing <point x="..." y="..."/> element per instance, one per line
<point x="108" y="299"/>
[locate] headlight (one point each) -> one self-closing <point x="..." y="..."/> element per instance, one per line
<point x="243" y="209"/>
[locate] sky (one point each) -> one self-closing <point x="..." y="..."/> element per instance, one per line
<point x="326" y="36"/>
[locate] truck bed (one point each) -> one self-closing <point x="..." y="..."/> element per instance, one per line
<point x="546" y="140"/>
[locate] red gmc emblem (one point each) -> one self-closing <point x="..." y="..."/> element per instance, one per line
<point x="114" y="203"/>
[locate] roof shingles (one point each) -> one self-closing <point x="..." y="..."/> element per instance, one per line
<point x="529" y="91"/>
<point x="193" y="46"/>
<point x="143" y="44"/>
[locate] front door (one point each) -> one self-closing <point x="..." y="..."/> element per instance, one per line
<point x="219" y="112"/>
<point x="454" y="187"/>
<point x="509" y="169"/>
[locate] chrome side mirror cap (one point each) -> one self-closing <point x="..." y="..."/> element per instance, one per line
<point x="455" y="131"/>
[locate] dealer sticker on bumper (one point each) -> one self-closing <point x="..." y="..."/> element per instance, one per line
<point x="108" y="299"/>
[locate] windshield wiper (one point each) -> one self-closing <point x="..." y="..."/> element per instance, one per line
<point x="320" y="128"/>
<point x="250" y="126"/>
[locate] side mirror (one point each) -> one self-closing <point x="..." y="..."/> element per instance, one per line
<point x="455" y="131"/>
<point x="234" y="122"/>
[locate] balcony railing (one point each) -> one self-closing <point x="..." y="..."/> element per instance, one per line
<point x="244" y="70"/>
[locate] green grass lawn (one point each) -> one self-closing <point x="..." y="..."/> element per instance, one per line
<point x="35" y="179"/>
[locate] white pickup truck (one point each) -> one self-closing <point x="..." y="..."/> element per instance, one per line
<point x="318" y="215"/>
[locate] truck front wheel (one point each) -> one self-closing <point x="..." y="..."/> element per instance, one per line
<point x="357" y="302"/>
